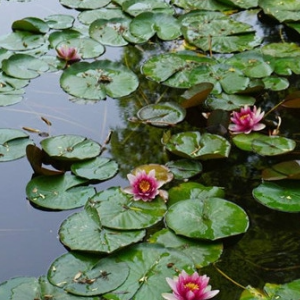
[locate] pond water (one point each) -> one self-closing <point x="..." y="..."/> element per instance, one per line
<point x="29" y="243"/>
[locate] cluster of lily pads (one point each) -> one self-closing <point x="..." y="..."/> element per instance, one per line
<point x="120" y="248"/>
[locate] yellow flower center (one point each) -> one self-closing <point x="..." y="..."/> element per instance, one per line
<point x="191" y="286"/>
<point x="244" y="117"/>
<point x="144" y="186"/>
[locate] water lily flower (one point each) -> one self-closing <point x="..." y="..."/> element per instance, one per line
<point x="67" y="53"/>
<point x="190" y="287"/>
<point x="144" y="186"/>
<point x="246" y="120"/>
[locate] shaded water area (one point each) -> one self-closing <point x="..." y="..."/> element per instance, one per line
<point x="29" y="243"/>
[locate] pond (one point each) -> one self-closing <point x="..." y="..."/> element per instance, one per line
<point x="162" y="99"/>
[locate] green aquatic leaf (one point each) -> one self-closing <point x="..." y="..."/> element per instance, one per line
<point x="150" y="265"/>
<point x="208" y="219"/>
<point x="13" y="143"/>
<point x="184" y="168"/>
<point x="60" y="21"/>
<point x="99" y="79"/>
<point x="118" y="210"/>
<point x="24" y="66"/>
<point x="58" y="192"/>
<point x="202" y="253"/>
<point x="7" y="286"/>
<point x="86" y="275"/>
<point x="162" y="114"/>
<point x="31" y="24"/>
<point x="283" y="195"/>
<point x="193" y="145"/>
<point x="60" y="36"/>
<point x="83" y="231"/>
<point x="276" y="83"/>
<point x="84" y="4"/>
<point x="283" y="170"/>
<point x="209" y="5"/>
<point x="241" y="3"/>
<point x="70" y="147"/>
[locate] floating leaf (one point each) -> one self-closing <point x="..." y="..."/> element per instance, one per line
<point x="284" y="170"/>
<point x="87" y="276"/>
<point x="24" y="66"/>
<point x="59" y="192"/>
<point x="282" y="195"/>
<point x="60" y="21"/>
<point x="208" y="219"/>
<point x="98" y="168"/>
<point x="57" y="37"/>
<point x="184" y="168"/>
<point x="30" y="24"/>
<point x="98" y="79"/>
<point x="202" y="253"/>
<point x="70" y="147"/>
<point x="83" y="231"/>
<point x="162" y="114"/>
<point x="118" y="210"/>
<point x="13" y="143"/>
<point x="150" y="265"/>
<point x="6" y="287"/>
<point x="203" y="5"/>
<point x="84" y="4"/>
<point x="11" y="98"/>
<point x="196" y="146"/>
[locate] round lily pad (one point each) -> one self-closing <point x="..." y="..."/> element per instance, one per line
<point x="208" y="219"/>
<point x="83" y="231"/>
<point x="31" y="24"/>
<point x="96" y="169"/>
<point x="60" y="21"/>
<point x="184" y="168"/>
<point x="70" y="147"/>
<point x="84" y="275"/>
<point x="282" y="195"/>
<point x="59" y="192"/>
<point x="99" y="79"/>
<point x="162" y="114"/>
<point x="84" y="4"/>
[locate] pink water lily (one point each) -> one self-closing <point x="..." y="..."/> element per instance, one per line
<point x="246" y="120"/>
<point x="143" y="186"/>
<point x="68" y="53"/>
<point x="190" y="287"/>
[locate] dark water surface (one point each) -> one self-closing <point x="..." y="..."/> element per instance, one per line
<point x="28" y="236"/>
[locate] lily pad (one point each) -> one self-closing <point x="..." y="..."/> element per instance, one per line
<point x="13" y="143"/>
<point x="60" y="21"/>
<point x="58" y="192"/>
<point x="85" y="275"/>
<point x="193" y="145"/>
<point x="11" y="98"/>
<point x="95" y="169"/>
<point x="84" y="4"/>
<point x="150" y="265"/>
<point x="7" y="287"/>
<point x="283" y="195"/>
<point x="214" y="31"/>
<point x="31" y="24"/>
<point x="60" y="36"/>
<point x="208" y="219"/>
<point x="70" y="147"/>
<point x="99" y="79"/>
<point x="83" y="231"/>
<point x="184" y="168"/>
<point x="117" y="210"/>
<point x="162" y="114"/>
<point x="202" y="253"/>
<point x="210" y="5"/>
<point x="24" y="66"/>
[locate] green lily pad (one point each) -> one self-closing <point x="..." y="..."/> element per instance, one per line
<point x="60" y="36"/>
<point x="98" y="168"/>
<point x="147" y="24"/>
<point x="6" y="287"/>
<point x="276" y="83"/>
<point x="271" y="291"/>
<point x="214" y="31"/>
<point x="98" y="79"/>
<point x="84" y="4"/>
<point x="11" y="98"/>
<point x="30" y="24"/>
<point x="85" y="276"/>
<point x="208" y="219"/>
<point x="24" y="66"/>
<point x="83" y="231"/>
<point x="58" y="192"/>
<point x="70" y="147"/>
<point x="210" y="5"/>
<point x="136" y="7"/>
<point x="13" y="143"/>
<point x="184" y="168"/>
<point x="117" y="210"/>
<point x="37" y="288"/>
<point x="193" y="145"/>
<point x="193" y="190"/>
<point x="162" y="114"/>
<point x="241" y="3"/>
<point x="11" y="84"/>
<point x="227" y="102"/>
<point x="21" y="41"/>
<point x="150" y="265"/>
<point x="202" y="253"/>
<point x="283" y="170"/>
<point x="60" y="21"/>
<point x="282" y="195"/>
<point x="264" y="145"/>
